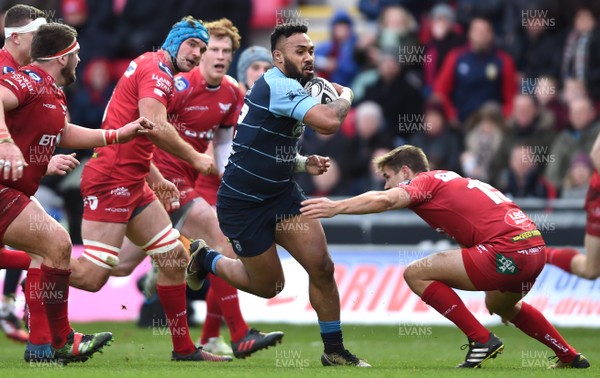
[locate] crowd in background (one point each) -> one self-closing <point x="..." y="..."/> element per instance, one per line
<point x="505" y="91"/>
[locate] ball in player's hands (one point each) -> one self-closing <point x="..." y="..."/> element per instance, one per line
<point x="321" y="89"/>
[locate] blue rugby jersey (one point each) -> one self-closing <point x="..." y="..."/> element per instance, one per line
<point x="261" y="164"/>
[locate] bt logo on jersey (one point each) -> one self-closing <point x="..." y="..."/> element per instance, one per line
<point x="48" y="140"/>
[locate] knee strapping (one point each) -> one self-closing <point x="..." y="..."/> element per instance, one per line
<point x="103" y="255"/>
<point x="165" y="241"/>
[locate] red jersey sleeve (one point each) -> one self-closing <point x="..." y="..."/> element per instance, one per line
<point x="156" y="82"/>
<point x="420" y="189"/>
<point x="20" y="85"/>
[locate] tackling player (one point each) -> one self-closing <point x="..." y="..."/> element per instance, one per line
<point x="26" y="96"/>
<point x="258" y="191"/>
<point x="570" y="260"/>
<point x="501" y="251"/>
<point x="20" y="24"/>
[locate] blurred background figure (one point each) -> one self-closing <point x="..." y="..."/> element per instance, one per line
<point x="581" y="54"/>
<point x="252" y="64"/>
<point x="476" y="74"/>
<point x="334" y="59"/>
<point x="547" y="95"/>
<point x="577" y="138"/>
<point x="485" y="130"/>
<point x="578" y="177"/>
<point x="524" y="176"/>
<point x="368" y="137"/>
<point x="441" y="144"/>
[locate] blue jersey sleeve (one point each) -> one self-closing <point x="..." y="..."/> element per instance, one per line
<point x="289" y="99"/>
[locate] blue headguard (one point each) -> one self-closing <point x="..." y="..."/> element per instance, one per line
<point x="180" y="32"/>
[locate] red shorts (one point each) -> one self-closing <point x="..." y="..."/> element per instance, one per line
<point x="592" y="208"/>
<point x="514" y="272"/>
<point x="12" y="203"/>
<point x="107" y="200"/>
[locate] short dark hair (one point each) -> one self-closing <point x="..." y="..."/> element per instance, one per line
<point x="20" y="15"/>
<point x="286" y="30"/>
<point x="51" y="39"/>
<point x="411" y="156"/>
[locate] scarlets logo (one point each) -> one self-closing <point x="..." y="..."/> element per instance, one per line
<point x="517" y="218"/>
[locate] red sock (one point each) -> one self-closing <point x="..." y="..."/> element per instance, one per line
<point x="12" y="259"/>
<point x="227" y="297"/>
<point x="445" y="301"/>
<point x="39" y="331"/>
<point x="534" y="324"/>
<point x="561" y="257"/>
<point x="172" y="299"/>
<point x="212" y="322"/>
<point x="54" y="286"/>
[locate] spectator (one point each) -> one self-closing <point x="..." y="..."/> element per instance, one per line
<point x="398" y="92"/>
<point x="444" y="37"/>
<point x="483" y="140"/>
<point x="334" y="59"/>
<point x="476" y="74"/>
<point x="581" y="54"/>
<point x="578" y="177"/>
<point x="469" y="10"/>
<point x="546" y="94"/>
<point x="577" y="138"/>
<point x="441" y="144"/>
<point x="573" y="89"/>
<point x="535" y="40"/>
<point x="529" y="125"/>
<point x="524" y="176"/>
<point x="369" y="136"/>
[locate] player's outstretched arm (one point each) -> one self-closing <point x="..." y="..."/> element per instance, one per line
<point x="78" y="137"/>
<point x="366" y="203"/>
<point x="327" y="118"/>
<point x="166" y="137"/>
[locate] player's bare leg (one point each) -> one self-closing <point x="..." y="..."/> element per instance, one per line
<point x="47" y="289"/>
<point x="533" y="323"/>
<point x="571" y="260"/>
<point x="151" y="229"/>
<point x="202" y="221"/>
<point x="130" y="257"/>
<point x="432" y="278"/>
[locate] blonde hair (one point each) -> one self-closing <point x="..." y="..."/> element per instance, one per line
<point x="225" y="28"/>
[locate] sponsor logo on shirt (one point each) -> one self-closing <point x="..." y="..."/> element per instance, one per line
<point x="165" y="68"/>
<point x="33" y="75"/>
<point x="116" y="210"/>
<point x="91" y="201"/>
<point x="505" y="265"/>
<point x="7" y="69"/>
<point x="49" y="106"/>
<point x="526" y="235"/>
<point x="517" y="218"/>
<point x="199" y="108"/>
<point x="130" y="69"/>
<point x="120" y="191"/>
<point x="291" y="95"/>
<point x="181" y="84"/>
<point x="224" y="107"/>
<point x="158" y="92"/>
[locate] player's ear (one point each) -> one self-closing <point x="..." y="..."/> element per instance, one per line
<point x="278" y="56"/>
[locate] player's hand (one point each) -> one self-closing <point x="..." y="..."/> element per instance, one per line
<point x="138" y="127"/>
<point x="338" y="88"/>
<point x="61" y="164"/>
<point x="205" y="164"/>
<point x="167" y="194"/>
<point x="319" y="208"/>
<point x="12" y="162"/>
<point x="317" y="165"/>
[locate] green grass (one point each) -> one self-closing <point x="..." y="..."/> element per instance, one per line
<point x="138" y="353"/>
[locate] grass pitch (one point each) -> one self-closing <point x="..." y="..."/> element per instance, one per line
<point x="394" y="351"/>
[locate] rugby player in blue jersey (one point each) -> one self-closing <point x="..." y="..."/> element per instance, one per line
<point x="258" y="201"/>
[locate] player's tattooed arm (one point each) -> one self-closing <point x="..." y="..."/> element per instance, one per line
<point x="341" y="108"/>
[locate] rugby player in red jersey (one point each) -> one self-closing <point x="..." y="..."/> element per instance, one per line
<point x="570" y="260"/>
<point x="27" y="96"/>
<point x="20" y="24"/>
<point x="118" y="184"/>
<point x="501" y="251"/>
<point x="204" y="109"/>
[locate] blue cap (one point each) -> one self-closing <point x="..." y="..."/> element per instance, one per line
<point x="181" y="31"/>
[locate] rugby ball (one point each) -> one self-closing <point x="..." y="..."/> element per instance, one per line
<point x="322" y="90"/>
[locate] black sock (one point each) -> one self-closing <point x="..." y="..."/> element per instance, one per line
<point x="333" y="342"/>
